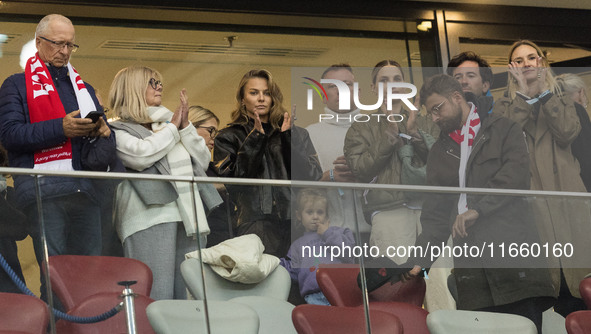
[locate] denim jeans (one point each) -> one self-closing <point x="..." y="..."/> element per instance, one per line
<point x="72" y="226"/>
<point x="317" y="298"/>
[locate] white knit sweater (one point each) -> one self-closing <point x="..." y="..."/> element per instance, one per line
<point x="179" y="148"/>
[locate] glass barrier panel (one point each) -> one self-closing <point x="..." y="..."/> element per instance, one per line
<point x="112" y="238"/>
<point x="477" y="251"/>
<point x="520" y="245"/>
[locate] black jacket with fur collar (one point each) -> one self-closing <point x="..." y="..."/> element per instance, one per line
<point x="241" y="151"/>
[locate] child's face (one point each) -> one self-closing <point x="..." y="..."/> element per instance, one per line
<point x="312" y="215"/>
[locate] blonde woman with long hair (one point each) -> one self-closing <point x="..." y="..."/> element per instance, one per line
<point x="260" y="142"/>
<point x="155" y="219"/>
<point x="550" y="124"/>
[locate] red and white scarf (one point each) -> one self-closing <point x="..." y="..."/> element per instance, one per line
<point x="465" y="137"/>
<point x="45" y="104"/>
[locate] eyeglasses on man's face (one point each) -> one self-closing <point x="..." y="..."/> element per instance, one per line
<point x="437" y="109"/>
<point x="154" y="83"/>
<point x="211" y="129"/>
<point x="60" y="45"/>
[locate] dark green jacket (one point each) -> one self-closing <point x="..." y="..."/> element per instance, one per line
<point x="499" y="159"/>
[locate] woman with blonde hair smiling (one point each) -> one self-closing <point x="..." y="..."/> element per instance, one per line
<point x="550" y="124"/>
<point x="155" y="219"/>
<point x="260" y="142"/>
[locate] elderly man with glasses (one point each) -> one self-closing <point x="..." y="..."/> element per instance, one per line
<point x="46" y="117"/>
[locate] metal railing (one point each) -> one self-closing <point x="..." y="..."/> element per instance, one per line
<point x="287" y="183"/>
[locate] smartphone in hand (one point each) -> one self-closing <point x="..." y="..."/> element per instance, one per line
<point x="94" y="115"/>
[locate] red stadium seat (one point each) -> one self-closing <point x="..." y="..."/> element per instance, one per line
<point x="585" y="290"/>
<point x="87" y="286"/>
<point x="579" y="322"/>
<point x="22" y="314"/>
<point x="117" y="324"/>
<point x="404" y="300"/>
<point x="338" y="282"/>
<point x="74" y="278"/>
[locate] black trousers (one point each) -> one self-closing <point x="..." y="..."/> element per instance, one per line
<point x="8" y="250"/>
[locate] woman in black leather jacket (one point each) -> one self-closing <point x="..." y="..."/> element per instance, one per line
<point x="260" y="142"/>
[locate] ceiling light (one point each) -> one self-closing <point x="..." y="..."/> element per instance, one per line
<point x="425" y="26"/>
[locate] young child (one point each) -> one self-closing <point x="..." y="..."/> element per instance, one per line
<point x="312" y="213"/>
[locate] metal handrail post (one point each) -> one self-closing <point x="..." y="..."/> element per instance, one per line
<point x="128" y="299"/>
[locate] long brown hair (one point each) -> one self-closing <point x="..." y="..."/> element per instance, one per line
<point x="276" y="110"/>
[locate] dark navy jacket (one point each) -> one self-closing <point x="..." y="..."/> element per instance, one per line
<point x="22" y="139"/>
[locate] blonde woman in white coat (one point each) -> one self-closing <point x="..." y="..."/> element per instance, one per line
<point x="155" y="220"/>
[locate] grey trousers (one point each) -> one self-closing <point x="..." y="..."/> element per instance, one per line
<point x="162" y="247"/>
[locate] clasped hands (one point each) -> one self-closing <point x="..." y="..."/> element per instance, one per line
<point x="532" y="88"/>
<point x="180" y="118"/>
<point x="286" y="125"/>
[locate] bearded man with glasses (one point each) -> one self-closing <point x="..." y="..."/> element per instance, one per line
<point x="480" y="150"/>
<point x="43" y="125"/>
